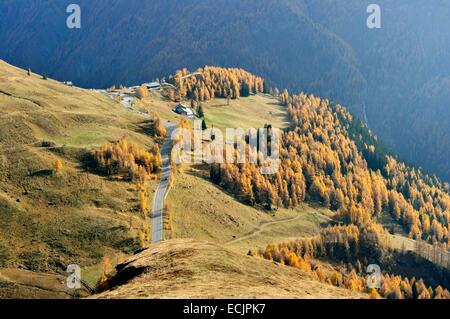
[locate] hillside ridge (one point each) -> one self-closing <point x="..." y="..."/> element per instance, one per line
<point x="185" y="268"/>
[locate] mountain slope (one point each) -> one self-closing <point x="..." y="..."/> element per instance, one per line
<point x="53" y="217"/>
<point x="405" y="69"/>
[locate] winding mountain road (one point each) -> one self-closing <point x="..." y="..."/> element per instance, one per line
<point x="163" y="187"/>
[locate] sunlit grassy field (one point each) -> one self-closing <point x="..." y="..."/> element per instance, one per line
<point x="202" y="210"/>
<point x="250" y="112"/>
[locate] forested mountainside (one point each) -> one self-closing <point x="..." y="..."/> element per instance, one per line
<point x="331" y="157"/>
<point x="406" y="73"/>
<point x="400" y="73"/>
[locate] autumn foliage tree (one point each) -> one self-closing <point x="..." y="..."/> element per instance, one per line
<point x="143" y="202"/>
<point x="141" y="92"/>
<point x="58" y="165"/>
<point x="107" y="272"/>
<point x="158" y="127"/>
<point x="210" y="82"/>
<point x="127" y="160"/>
<point x="348" y="244"/>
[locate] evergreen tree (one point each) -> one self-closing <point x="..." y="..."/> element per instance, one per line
<point x="204" y="127"/>
<point x="245" y="90"/>
<point x="266" y="88"/>
<point x="200" y="113"/>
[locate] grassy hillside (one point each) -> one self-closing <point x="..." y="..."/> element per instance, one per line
<point x="202" y="210"/>
<point x="199" y="269"/>
<point x="75" y="215"/>
<point x="49" y="220"/>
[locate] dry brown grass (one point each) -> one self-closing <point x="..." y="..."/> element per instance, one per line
<point x="200" y="269"/>
<point x="24" y="284"/>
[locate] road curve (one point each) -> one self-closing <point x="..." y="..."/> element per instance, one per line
<point x="163" y="187"/>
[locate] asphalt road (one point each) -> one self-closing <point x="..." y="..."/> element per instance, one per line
<point x="162" y="190"/>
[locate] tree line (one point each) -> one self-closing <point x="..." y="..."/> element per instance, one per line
<point x="210" y="82"/>
<point x="357" y="248"/>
